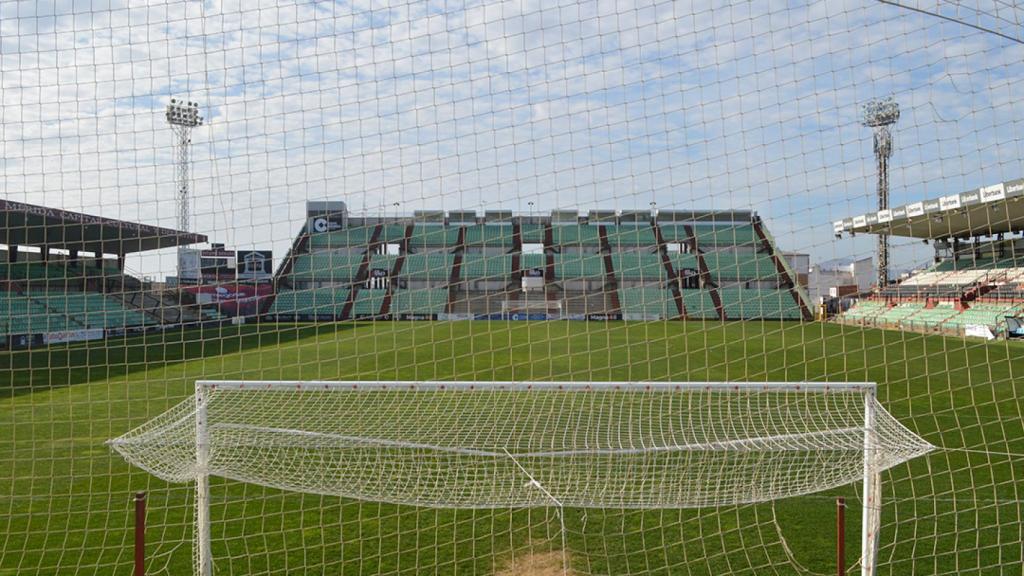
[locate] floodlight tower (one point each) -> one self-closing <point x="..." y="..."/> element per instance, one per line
<point x="183" y="116"/>
<point x="879" y="115"/>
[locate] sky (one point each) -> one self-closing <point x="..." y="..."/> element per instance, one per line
<point x="398" y="106"/>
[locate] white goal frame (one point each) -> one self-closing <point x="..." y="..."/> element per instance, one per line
<point x="871" y="491"/>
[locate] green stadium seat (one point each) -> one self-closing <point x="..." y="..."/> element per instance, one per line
<point x="428" y="266"/>
<point x="577" y="265"/>
<point x="327" y="266"/>
<point x="682" y="261"/>
<point x="322" y="301"/>
<point x="674" y="233"/>
<point x="648" y="301"/>
<point x="393" y="233"/>
<point x="759" y="304"/>
<point x="356" y="236"/>
<point x="643" y="265"/>
<point x="490" y="235"/>
<point x="711" y="236"/>
<point x="486" y="266"/>
<point x="368" y="302"/>
<point x="576" y="235"/>
<point x="732" y="265"/>
<point x="699" y="304"/>
<point x="527" y="261"/>
<point x="629" y="236"/>
<point x="865" y="309"/>
<point x="434" y="236"/>
<point x="427" y="301"/>
<point x="532" y="233"/>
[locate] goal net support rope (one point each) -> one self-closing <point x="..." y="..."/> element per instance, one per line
<point x="506" y="445"/>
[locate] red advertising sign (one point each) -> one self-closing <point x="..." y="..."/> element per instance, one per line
<point x="232" y="299"/>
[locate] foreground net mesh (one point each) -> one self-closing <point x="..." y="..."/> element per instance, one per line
<point x="482" y="190"/>
<point x="510" y="446"/>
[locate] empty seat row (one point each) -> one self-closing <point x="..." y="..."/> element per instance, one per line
<point x="322" y="301"/>
<point x="763" y="304"/>
<point x="729" y="264"/>
<point x="428" y="266"/>
<point x="651" y="302"/>
<point x="427" y="301"/>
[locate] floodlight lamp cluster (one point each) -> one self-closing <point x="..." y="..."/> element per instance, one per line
<point x="182" y="113"/>
<point x="881" y="112"/>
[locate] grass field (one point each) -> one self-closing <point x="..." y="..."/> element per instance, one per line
<point x="65" y="499"/>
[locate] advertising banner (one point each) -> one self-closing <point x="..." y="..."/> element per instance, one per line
<point x="232" y="298"/>
<point x="73" y="336"/>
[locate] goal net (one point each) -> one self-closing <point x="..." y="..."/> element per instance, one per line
<point x="593" y="191"/>
<point x="517" y="445"/>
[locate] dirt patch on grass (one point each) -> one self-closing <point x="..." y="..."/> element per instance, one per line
<point x="538" y="564"/>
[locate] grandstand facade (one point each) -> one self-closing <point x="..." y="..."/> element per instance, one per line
<point x="606" y="265"/>
<point x="976" y="278"/>
<point x="71" y="285"/>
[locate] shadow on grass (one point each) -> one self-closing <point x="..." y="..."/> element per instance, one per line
<point x="59" y="366"/>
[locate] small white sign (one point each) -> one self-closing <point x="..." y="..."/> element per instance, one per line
<point x="915" y="209"/>
<point x="884" y="216"/>
<point x="859" y="221"/>
<point x="951" y="202"/>
<point x="992" y="193"/>
<point x="979" y="331"/>
<point x="837" y="226"/>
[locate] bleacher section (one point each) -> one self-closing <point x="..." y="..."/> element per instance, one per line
<point x="977" y="287"/>
<point x="639" y="265"/>
<point x="653" y="302"/>
<point x="489" y="236"/>
<point x="480" y="266"/>
<point x="43" y="312"/>
<point x="606" y="269"/>
<point x="577" y="265"/>
<point x="758" y="304"/>
<point x="59" y="299"/>
<point x="941" y="316"/>
<point x="429" y="301"/>
<point x="321" y="301"/>
<point x="90" y="310"/>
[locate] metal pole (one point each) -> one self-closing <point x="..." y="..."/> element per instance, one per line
<point x="883" y="149"/>
<point x="840" y="536"/>
<point x="204" y="558"/>
<point x="140" y="534"/>
<point x="871" y="505"/>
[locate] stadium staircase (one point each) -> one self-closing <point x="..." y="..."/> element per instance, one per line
<point x="611" y="285"/>
<point x="512" y="291"/>
<point x="705" y="273"/>
<point x="666" y="262"/>
<point x="550" y="289"/>
<point x="385" y="306"/>
<point x="454" y="279"/>
<point x="788" y="277"/>
<point x="362" y="274"/>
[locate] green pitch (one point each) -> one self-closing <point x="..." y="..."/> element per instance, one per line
<point x="65" y="499"/>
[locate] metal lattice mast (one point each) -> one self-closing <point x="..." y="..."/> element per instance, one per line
<point x="880" y="115"/>
<point x="183" y="116"/>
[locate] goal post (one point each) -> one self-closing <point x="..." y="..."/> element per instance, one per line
<point x="609" y="445"/>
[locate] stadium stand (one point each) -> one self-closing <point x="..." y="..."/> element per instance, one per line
<point x="976" y="278"/>
<point x="53" y="292"/>
<point x="594" y="266"/>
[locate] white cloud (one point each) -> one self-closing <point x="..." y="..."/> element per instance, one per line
<point x="496" y="104"/>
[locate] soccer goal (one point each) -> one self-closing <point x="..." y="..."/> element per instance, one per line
<point x="584" y="445"/>
<point x="532" y="307"/>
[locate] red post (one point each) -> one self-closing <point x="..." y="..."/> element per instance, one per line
<point x="140" y="534"/>
<point x="841" y="536"/>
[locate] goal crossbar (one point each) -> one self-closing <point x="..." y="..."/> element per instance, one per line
<point x="521" y="386"/>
